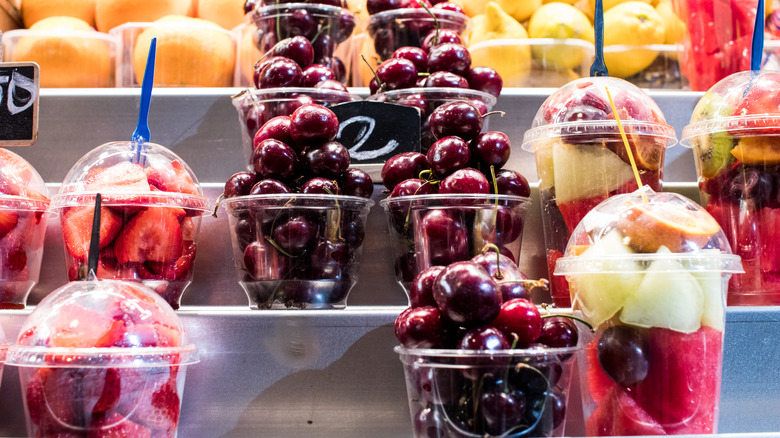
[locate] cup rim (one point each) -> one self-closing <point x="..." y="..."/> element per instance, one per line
<point x="597" y="128"/>
<point x="299" y="5"/>
<point x="524" y="201"/>
<point x="290" y="91"/>
<point x="285" y="197"/>
<point x="585" y="44"/>
<point x="694" y="262"/>
<point x="736" y="126"/>
<point x="439" y="13"/>
<point x="118" y="199"/>
<point x="22" y="203"/>
<point x="464" y="93"/>
<point x="104" y="357"/>
<point x="447" y="353"/>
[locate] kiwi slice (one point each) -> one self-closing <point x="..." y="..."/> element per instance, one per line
<point x="714" y="152"/>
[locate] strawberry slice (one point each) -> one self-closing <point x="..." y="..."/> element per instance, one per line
<point x="171" y="178"/>
<point x="160" y="412"/>
<point x="8" y="220"/>
<point x="111" y="392"/>
<point x="154" y="234"/>
<point x="180" y="268"/>
<point x="558" y="283"/>
<point x="77" y="228"/>
<point x="115" y="425"/>
<point x="77" y="326"/>
<point x="121" y="177"/>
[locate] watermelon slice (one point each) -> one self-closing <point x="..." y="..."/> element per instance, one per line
<point x="620" y="415"/>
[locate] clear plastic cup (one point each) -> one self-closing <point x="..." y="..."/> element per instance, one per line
<point x="436" y="230"/>
<point x="428" y="99"/>
<point x="716" y="41"/>
<point x="535" y="62"/>
<point x="661" y="69"/>
<point x="24" y="216"/>
<point x="102" y="358"/>
<point x="297" y="250"/>
<point x="446" y="389"/>
<point x="732" y="134"/>
<point x="649" y="271"/>
<point x="393" y="29"/>
<point x="255" y="107"/>
<point x="581" y="159"/>
<point x="3" y="351"/>
<point x="151" y="209"/>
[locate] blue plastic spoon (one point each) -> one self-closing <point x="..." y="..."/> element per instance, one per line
<point x="141" y="134"/>
<point x="599" y="67"/>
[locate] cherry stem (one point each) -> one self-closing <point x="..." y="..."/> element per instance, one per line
<point x="435" y="21"/>
<point x="378" y="82"/>
<point x="423" y="74"/>
<point x="334" y="230"/>
<point x="216" y="204"/>
<point x="495" y="189"/>
<point x="409" y="211"/>
<point x="491" y="113"/>
<point x="494" y="247"/>
<point x="279" y="248"/>
<point x="542" y="283"/>
<point x="566" y="315"/>
<point x="319" y="32"/>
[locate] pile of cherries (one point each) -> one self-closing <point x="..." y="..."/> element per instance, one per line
<point x="481" y="306"/>
<point x="324" y="30"/>
<point x="411" y="27"/>
<point x="297" y="154"/>
<point x="290" y="63"/>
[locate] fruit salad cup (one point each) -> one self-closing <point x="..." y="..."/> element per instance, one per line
<point x="297" y="250"/>
<point x="23" y="217"/>
<point x="149" y="219"/>
<point x="649" y="272"/>
<point x="255" y="107"/>
<point x="436" y="230"/>
<point x="581" y="159"/>
<point x="733" y="131"/>
<point x="102" y="358"/>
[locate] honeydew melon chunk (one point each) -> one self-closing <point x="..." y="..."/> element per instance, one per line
<point x="585" y="171"/>
<point x="601" y="295"/>
<point x="711" y="283"/>
<point x="543" y="152"/>
<point x="668" y="297"/>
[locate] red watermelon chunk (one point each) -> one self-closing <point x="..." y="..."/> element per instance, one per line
<point x="619" y="415"/>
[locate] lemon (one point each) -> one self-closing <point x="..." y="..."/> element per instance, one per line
<point x="674" y="27"/>
<point x="520" y="10"/>
<point x="632" y="23"/>
<point x="510" y="59"/>
<point x="560" y="20"/>
<point x="495" y="24"/>
<point x="609" y="4"/>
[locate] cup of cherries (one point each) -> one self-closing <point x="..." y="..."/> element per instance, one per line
<point x="446" y="205"/>
<point x="298" y="218"/>
<point x="479" y="358"/>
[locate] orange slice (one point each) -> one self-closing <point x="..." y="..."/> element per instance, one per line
<point x="650" y="226"/>
<point x="758" y="150"/>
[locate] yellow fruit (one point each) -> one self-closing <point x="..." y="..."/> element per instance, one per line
<point x="495" y="24"/>
<point x="757" y="150"/>
<point x="248" y="54"/>
<point x="190" y="52"/>
<point x="66" y="59"/>
<point x="631" y="23"/>
<point x="520" y="10"/>
<point x="560" y="20"/>
<point x="674" y="28"/>
<point x="609" y="4"/>
<point x="34" y="11"/>
<point x="226" y="13"/>
<point x="111" y="13"/>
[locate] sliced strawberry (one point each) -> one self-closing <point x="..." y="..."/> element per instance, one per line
<point x="77" y="326"/>
<point x="179" y="269"/>
<point x="188" y="229"/>
<point x="574" y="211"/>
<point x="171" y="178"/>
<point x="153" y="234"/>
<point x="113" y="336"/>
<point x="34" y="396"/>
<point x="115" y="425"/>
<point x="8" y="220"/>
<point x="121" y="177"/>
<point x="77" y="229"/>
<point x="559" y="285"/>
<point x="112" y="391"/>
<point x="161" y="411"/>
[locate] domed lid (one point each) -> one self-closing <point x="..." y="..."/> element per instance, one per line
<point x="626" y="232"/>
<point x="580" y="110"/>
<point x="21" y="186"/>
<point x="124" y="174"/>
<point x="104" y="323"/>
<point x="743" y="104"/>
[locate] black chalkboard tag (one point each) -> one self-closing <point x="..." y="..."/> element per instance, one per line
<point x="375" y="131"/>
<point x="19" y="86"/>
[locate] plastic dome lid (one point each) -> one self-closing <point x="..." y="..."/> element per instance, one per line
<point x="625" y="233"/>
<point x="123" y="174"/>
<point x="744" y="104"/>
<point x="21" y="186"/>
<point x="104" y="323"/>
<point x="581" y="109"/>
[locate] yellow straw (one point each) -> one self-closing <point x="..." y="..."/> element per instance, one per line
<point x="625" y="143"/>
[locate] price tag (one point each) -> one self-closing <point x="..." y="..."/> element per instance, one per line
<point x="19" y="86"/>
<point x="375" y="131"/>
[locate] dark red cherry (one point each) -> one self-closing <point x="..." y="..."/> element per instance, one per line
<point x="421" y="289"/>
<point x="396" y="73"/>
<point x="376" y="6"/>
<point x="279" y="72"/>
<point x="448" y="6"/>
<point x="288" y="106"/>
<point x="519" y="318"/>
<point x="492" y="148"/>
<point x="485" y="79"/>
<point x="502" y="410"/>
<point x="456" y="118"/>
<point x="411" y="187"/>
<point x="445" y="79"/>
<point x="484" y="339"/>
<point x="294" y="235"/>
<point x="558" y="332"/>
<point x="331" y="85"/>
<point x="297" y="48"/>
<point x="269" y="186"/>
<point x="313" y="124"/>
<point x="373" y="86"/>
<point x="448" y="155"/>
<point x="239" y="184"/>
<point x="466" y="180"/>
<point x="401" y="167"/>
<point x="467" y="294"/>
<point x="420" y="327"/>
<point x="274" y="159"/>
<point x="323" y="46"/>
<point x="510" y="182"/>
<point x="250" y="5"/>
<point x="449" y="57"/>
<point x="442" y="36"/>
<point x="415" y="100"/>
<point x="329" y="160"/>
<point x="443" y="237"/>
<point x="506" y="273"/>
<point x="320" y="186"/>
<point x="300" y="22"/>
<point x="416" y="55"/>
<point x="316" y="73"/>
<point x="264" y="262"/>
<point x="355" y="182"/>
<point x="277" y="128"/>
<point x="327" y="260"/>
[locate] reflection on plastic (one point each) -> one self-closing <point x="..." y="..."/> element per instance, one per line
<point x="293" y="343"/>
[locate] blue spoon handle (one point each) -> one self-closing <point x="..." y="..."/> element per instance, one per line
<point x="142" y="133"/>
<point x="599" y="67"/>
<point x="757" y="48"/>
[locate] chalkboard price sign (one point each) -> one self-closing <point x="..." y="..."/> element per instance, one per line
<point x="375" y="131"/>
<point x="19" y="85"/>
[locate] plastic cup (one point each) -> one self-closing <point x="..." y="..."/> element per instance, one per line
<point x="3" y="352"/>
<point x="436" y="230"/>
<point x="447" y="388"/>
<point x="581" y="159"/>
<point x="102" y="358"/>
<point x="255" y="107"/>
<point x="428" y="99"/>
<point x="393" y="29"/>
<point x="23" y="219"/>
<point x="535" y="62"/>
<point x="732" y="131"/>
<point x="151" y="209"/>
<point x="662" y="69"/>
<point x="717" y="39"/>
<point x="297" y="250"/>
<point x="649" y="272"/>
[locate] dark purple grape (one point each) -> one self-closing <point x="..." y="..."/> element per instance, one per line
<point x="401" y="167"/>
<point x="442" y="36"/>
<point x="396" y="73"/>
<point x="467" y="295"/>
<point x="448" y="155"/>
<point x="316" y="73"/>
<point x="492" y="148"/>
<point x="320" y="186"/>
<point x="264" y="262"/>
<point x="416" y="55"/>
<point x="751" y="185"/>
<point x="355" y="182"/>
<point x="558" y="332"/>
<point x="269" y="187"/>
<point x="445" y="79"/>
<point x="485" y="79"/>
<point x="502" y="411"/>
<point x="450" y="57"/>
<point x="510" y="182"/>
<point x="421" y="289"/>
<point x="466" y="180"/>
<point x="297" y="48"/>
<point x="443" y="237"/>
<point x="314" y="124"/>
<point x="279" y="72"/>
<point x="456" y="118"/>
<point x="274" y="159"/>
<point x="330" y="160"/>
<point x="420" y="327"/>
<point x="277" y="128"/>
<point x="294" y="235"/>
<point x="239" y="184"/>
<point x="623" y="354"/>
